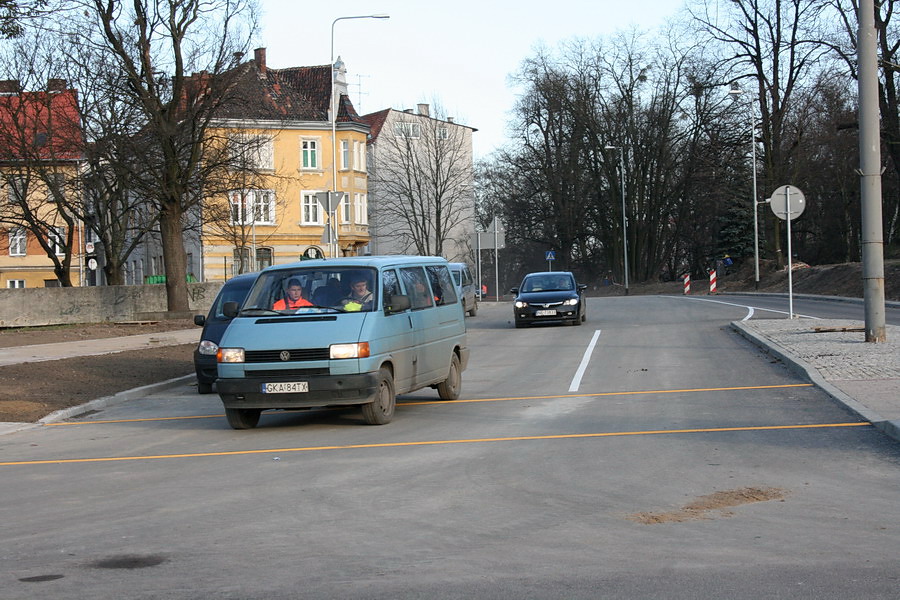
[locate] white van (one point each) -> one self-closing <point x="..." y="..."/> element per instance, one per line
<point x="343" y="331"/>
<point x="465" y="285"/>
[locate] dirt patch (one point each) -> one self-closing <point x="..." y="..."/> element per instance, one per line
<point x="701" y="508"/>
<point x="31" y="391"/>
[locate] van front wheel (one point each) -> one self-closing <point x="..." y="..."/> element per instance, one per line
<point x="242" y="418"/>
<point x="381" y="411"/>
<point x="449" y="388"/>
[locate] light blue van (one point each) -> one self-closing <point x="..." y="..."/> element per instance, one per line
<point x="343" y="331"/>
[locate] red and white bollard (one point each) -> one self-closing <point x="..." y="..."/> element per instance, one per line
<point x="712" y="281"/>
<point x="687" y="283"/>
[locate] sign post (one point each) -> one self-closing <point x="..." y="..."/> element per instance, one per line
<point x="550" y="255"/>
<point x="788" y="203"/>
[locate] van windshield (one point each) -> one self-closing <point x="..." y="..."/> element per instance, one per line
<point x="313" y="290"/>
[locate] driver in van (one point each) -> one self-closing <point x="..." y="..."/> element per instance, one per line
<point x="293" y="298"/>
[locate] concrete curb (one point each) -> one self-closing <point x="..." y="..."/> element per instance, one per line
<point x="97" y="404"/>
<point x="889" y="428"/>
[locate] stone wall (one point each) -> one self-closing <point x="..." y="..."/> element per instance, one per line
<point x="53" y="306"/>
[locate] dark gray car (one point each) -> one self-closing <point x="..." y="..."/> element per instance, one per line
<point x="549" y="297"/>
<point x="214" y="325"/>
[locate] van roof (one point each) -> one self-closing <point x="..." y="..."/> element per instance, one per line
<point x="363" y="261"/>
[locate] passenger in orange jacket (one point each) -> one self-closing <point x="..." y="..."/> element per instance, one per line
<point x="294" y="298"/>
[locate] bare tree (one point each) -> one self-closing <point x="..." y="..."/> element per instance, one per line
<point x="772" y="45"/>
<point x="156" y="45"/>
<point x="422" y="179"/>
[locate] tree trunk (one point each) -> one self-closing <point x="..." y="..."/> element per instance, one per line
<point x="174" y="257"/>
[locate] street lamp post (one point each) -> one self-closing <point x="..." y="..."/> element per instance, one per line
<point x="624" y="214"/>
<point x="332" y="216"/>
<point x="736" y="90"/>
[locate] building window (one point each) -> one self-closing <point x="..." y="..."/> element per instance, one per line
<point x="443" y="133"/>
<point x="407" y="130"/>
<point x="17" y="241"/>
<point x="56" y="238"/>
<point x="309" y="151"/>
<point x="346" y="208"/>
<point x="360" y="150"/>
<point x="253" y="152"/>
<point x="362" y="209"/>
<point x="263" y="258"/>
<point x="345" y="154"/>
<point x="15" y="283"/>
<point x="252" y="206"/>
<point x="311" y="210"/>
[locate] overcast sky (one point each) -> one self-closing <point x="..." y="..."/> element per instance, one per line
<point x="458" y="53"/>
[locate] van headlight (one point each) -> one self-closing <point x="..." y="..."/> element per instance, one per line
<point x="359" y="350"/>
<point x="208" y="348"/>
<point x="230" y="355"/>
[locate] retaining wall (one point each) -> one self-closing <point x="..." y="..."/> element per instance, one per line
<point x="53" y="306"/>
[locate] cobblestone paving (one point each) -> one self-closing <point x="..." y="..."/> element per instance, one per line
<point x="837" y="355"/>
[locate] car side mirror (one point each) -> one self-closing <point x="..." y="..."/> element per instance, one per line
<point x="199" y="320"/>
<point x="398" y="303"/>
<point x="230" y="309"/>
<point x="582" y="287"/>
<point x="514" y="290"/>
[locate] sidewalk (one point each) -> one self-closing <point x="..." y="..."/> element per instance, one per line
<point x="42" y="352"/>
<point x="863" y="376"/>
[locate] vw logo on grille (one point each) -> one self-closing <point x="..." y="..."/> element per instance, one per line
<point x="285" y="355"/>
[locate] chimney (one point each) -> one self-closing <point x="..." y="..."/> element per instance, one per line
<point x="259" y="55"/>
<point x="423" y="110"/>
<point x="451" y="119"/>
<point x="10" y="86"/>
<point x="56" y="85"/>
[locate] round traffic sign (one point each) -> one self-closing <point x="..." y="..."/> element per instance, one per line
<point x="787" y="202"/>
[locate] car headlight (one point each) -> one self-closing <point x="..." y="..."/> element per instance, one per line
<point x="571" y="302"/>
<point x="360" y="350"/>
<point x="521" y="304"/>
<point x="208" y="348"/>
<point x="230" y="355"/>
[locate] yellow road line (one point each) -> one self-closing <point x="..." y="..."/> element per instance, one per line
<point x="598" y="394"/>
<point x="431" y="443"/>
<point x="423" y="402"/>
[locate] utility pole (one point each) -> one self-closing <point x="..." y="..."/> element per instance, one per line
<point x="870" y="175"/>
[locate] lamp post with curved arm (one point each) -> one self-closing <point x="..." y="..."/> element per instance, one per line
<point x="332" y="216"/>
<point x="737" y="91"/>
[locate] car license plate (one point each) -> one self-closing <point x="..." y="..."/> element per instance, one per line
<point x="285" y="387"/>
<point x="545" y="313"/>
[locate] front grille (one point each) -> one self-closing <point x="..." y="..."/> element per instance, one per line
<point x="289" y="373"/>
<point x="297" y="354"/>
<point x="544" y="304"/>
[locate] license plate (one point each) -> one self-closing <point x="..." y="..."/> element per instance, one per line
<point x="285" y="387"/>
<point x="545" y="313"/>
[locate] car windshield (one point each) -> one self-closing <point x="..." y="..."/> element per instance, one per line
<point x="312" y="290"/>
<point x="548" y="283"/>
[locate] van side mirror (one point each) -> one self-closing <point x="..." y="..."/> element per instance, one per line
<point x="398" y="303"/>
<point x="199" y="320"/>
<point x="230" y="309"/>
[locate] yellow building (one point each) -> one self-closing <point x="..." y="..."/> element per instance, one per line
<point x="40" y="158"/>
<point x="280" y="124"/>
